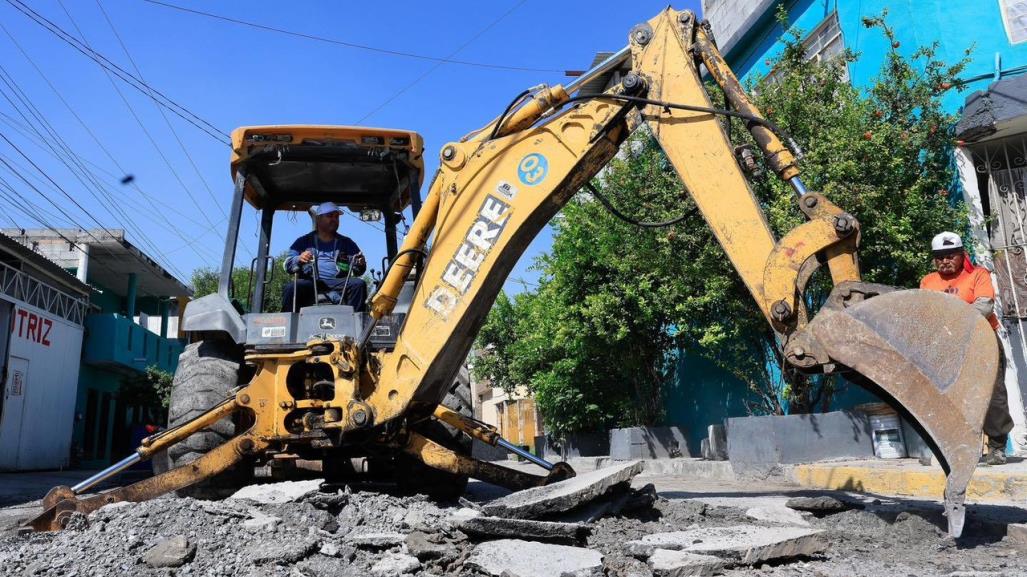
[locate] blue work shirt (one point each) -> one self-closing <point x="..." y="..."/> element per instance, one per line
<point x="326" y="255"/>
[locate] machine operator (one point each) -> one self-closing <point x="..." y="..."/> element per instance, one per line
<point x="338" y="260"/>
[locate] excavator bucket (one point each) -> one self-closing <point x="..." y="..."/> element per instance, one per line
<point x="936" y="358"/>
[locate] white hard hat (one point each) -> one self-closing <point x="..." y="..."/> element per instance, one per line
<point x="946" y="241"/>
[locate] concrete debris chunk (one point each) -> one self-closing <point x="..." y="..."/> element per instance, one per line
<point x="1016" y="535"/>
<point x="282" y="551"/>
<point x="284" y="492"/>
<point x="822" y="505"/>
<point x="260" y="523"/>
<point x="562" y="496"/>
<point x="666" y="563"/>
<point x="424" y="546"/>
<point x="460" y="515"/>
<point x="523" y="528"/>
<point x="173" y="552"/>
<point x="518" y="558"/>
<point x="777" y="515"/>
<point x="746" y="544"/>
<point x="375" y="540"/>
<point x="392" y="564"/>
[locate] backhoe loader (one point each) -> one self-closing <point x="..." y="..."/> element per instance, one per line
<point x="332" y="385"/>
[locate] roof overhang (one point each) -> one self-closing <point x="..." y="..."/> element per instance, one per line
<point x="997" y="112"/>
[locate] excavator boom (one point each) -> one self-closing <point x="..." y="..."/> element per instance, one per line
<point x="498" y="187"/>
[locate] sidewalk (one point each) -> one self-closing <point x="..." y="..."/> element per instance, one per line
<point x="908" y="478"/>
<point x="891" y="477"/>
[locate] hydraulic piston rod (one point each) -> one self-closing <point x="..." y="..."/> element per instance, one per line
<point x="105" y="474"/>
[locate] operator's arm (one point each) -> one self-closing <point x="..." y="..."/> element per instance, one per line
<point x="292" y="261"/>
<point x="984" y="293"/>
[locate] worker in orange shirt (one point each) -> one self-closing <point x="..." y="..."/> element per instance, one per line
<point x="957" y="276"/>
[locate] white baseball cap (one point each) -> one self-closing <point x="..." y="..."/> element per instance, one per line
<point x="327" y="208"/>
<point x="946" y="241"/>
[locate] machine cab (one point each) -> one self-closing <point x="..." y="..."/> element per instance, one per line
<point x="373" y="172"/>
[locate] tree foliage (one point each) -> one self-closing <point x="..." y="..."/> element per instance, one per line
<point x="205" y="281"/>
<point x="595" y="341"/>
<point x="150" y="388"/>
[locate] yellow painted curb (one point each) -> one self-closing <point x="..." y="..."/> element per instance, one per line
<point x="987" y="484"/>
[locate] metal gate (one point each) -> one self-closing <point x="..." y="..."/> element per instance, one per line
<point x="1001" y="167"/>
<point x="1002" y="171"/>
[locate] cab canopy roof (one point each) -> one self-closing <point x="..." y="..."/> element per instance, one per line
<point x="294" y="167"/>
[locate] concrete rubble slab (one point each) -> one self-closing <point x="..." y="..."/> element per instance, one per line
<point x="777" y="515"/>
<point x="667" y="563"/>
<point x="746" y="544"/>
<point x="563" y="496"/>
<point x="375" y="539"/>
<point x="272" y="493"/>
<point x="519" y="558"/>
<point x="523" y="529"/>
<point x="172" y="552"/>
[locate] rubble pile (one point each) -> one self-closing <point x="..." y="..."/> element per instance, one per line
<point x="595" y="524"/>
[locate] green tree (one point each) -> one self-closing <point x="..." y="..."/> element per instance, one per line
<point x="615" y="302"/>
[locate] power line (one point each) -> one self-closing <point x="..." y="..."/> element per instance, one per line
<point x="445" y="60"/>
<point x="438" y="64"/>
<point x="127" y="77"/>
<point x="64" y="192"/>
<point x="159" y="109"/>
<point x="33" y="139"/>
<point x="69" y="155"/>
<point x="152" y="140"/>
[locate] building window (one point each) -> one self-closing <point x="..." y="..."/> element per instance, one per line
<point x="824" y="44"/>
<point x="1014" y="16"/>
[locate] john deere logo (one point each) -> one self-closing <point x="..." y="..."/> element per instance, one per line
<point x="326" y="323"/>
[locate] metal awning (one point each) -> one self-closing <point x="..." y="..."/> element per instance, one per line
<point x="111" y="259"/>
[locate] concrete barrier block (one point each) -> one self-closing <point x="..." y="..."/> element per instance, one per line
<point x="648" y="443"/>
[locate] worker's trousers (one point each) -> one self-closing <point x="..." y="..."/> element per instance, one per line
<point x="997" y="421"/>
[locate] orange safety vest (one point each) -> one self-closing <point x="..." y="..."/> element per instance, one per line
<point x="971" y="284"/>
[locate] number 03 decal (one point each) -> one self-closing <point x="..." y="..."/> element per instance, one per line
<point x="532" y="169"/>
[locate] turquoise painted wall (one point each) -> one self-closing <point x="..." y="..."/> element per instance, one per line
<point x="702" y="394"/>
<point x="955" y="24"/>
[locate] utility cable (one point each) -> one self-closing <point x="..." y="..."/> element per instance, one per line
<point x="133" y="202"/>
<point x="171" y="127"/>
<point x="149" y="91"/>
<point x="88" y="180"/>
<point x="160" y="152"/>
<point x="64" y="192"/>
<point x="436" y="66"/>
<point x="446" y="60"/>
<point x="769" y="124"/>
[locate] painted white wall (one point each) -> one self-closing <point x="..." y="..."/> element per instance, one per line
<point x="51" y="348"/>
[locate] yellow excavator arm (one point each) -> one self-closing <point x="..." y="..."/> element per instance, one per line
<point x="495" y="190"/>
<point x="498" y="187"/>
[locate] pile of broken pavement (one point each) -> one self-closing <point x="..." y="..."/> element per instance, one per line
<point x="593" y="524"/>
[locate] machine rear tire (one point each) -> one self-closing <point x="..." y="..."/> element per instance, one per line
<point x="207" y="372"/>
<point x="413" y="476"/>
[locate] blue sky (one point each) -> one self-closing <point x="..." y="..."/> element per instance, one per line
<point x="232" y="75"/>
